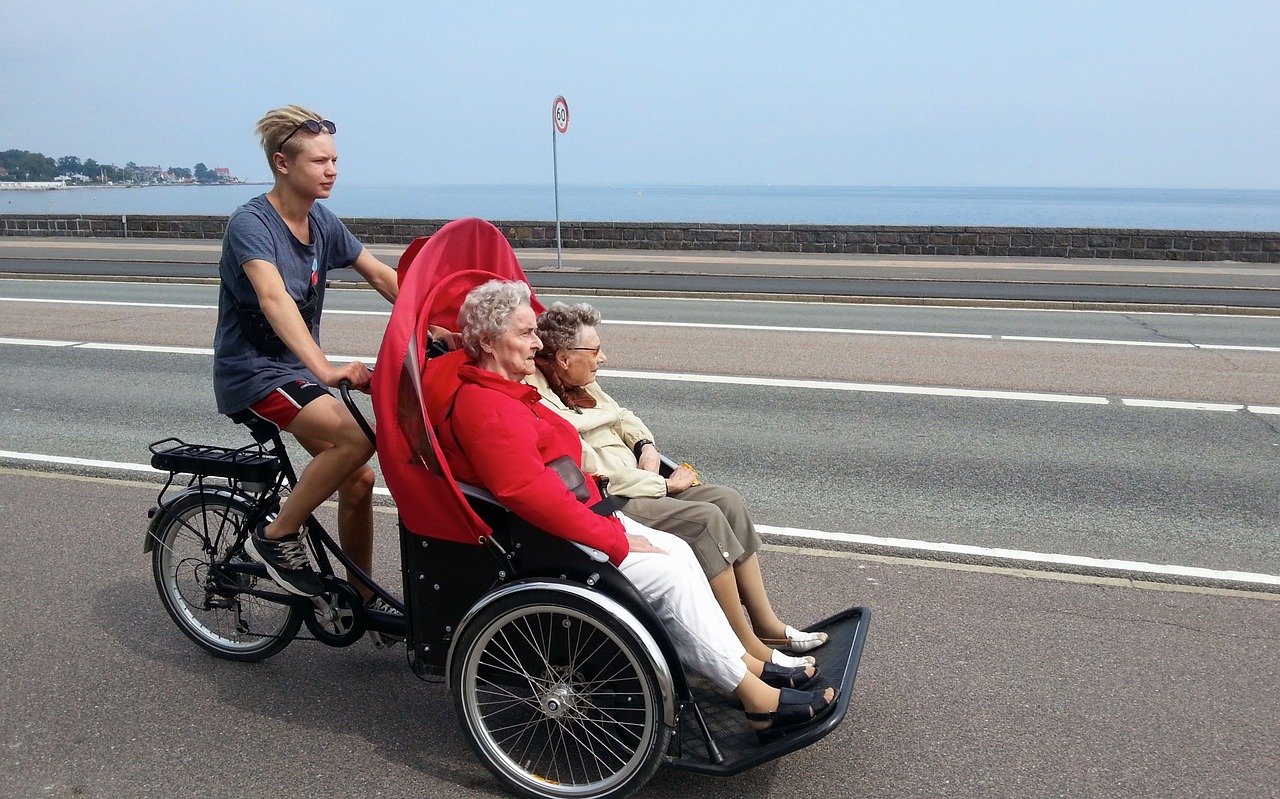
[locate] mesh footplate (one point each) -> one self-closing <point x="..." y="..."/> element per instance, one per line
<point x="741" y="748"/>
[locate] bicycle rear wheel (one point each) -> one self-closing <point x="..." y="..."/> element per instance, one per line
<point x="192" y="537"/>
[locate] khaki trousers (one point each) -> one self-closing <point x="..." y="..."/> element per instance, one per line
<point x="712" y="519"/>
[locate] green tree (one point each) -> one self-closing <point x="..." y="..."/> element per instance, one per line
<point x="69" y="165"/>
<point x="204" y="174"/>
<point x="34" y="166"/>
<point x="180" y="171"/>
<point x="9" y="160"/>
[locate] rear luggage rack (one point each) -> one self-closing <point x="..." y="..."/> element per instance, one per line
<point x="249" y="464"/>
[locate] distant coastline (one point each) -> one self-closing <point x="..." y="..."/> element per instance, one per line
<point x="161" y="185"/>
<point x="53" y="185"/>
<point x="1147" y="209"/>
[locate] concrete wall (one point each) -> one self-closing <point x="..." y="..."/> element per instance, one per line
<point x="1176" y="245"/>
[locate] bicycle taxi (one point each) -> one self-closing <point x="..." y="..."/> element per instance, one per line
<point x="563" y="679"/>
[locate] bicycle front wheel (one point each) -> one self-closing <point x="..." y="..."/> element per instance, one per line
<point x="558" y="698"/>
<point x="193" y="535"/>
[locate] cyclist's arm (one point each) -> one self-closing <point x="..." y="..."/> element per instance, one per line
<point x="377" y="274"/>
<point x="282" y="313"/>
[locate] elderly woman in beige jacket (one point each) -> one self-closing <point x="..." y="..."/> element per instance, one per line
<point x="712" y="519"/>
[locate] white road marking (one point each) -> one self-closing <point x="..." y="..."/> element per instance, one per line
<point x="91" y="463"/>
<point x="900" y="544"/>
<point x="1054" y="340"/>
<point x="39" y="342"/>
<point x="788" y="329"/>
<point x="772" y="382"/>
<point x="748" y="328"/>
<point x="1107" y="564"/>
<point x="874" y="388"/>
<point x="109" y="303"/>
<point x="90" y="345"/>
<point x="1186" y="406"/>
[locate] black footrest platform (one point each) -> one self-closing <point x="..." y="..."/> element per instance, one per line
<point x="838" y="660"/>
<point x="248" y="464"/>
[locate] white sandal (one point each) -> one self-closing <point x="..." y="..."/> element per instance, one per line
<point x="792" y="661"/>
<point x="797" y="640"/>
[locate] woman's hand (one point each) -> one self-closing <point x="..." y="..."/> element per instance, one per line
<point x="639" y="543"/>
<point x="682" y="478"/>
<point x="649" y="459"/>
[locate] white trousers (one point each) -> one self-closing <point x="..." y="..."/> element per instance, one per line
<point x="675" y="585"/>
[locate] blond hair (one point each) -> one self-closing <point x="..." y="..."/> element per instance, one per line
<point x="276" y="125"/>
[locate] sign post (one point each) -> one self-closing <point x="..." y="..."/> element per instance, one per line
<point x="559" y="126"/>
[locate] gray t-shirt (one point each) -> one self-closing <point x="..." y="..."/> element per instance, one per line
<point x="242" y="373"/>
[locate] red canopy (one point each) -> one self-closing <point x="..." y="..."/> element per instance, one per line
<point x="410" y="395"/>
<point x="463" y="244"/>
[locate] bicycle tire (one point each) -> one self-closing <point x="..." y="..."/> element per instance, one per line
<point x="192" y="535"/>
<point x="558" y="698"/>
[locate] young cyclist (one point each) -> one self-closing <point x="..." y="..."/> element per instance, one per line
<point x="269" y="368"/>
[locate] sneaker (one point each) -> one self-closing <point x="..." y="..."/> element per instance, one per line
<point x="382" y="640"/>
<point x="286" y="561"/>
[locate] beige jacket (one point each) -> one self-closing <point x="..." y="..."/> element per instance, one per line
<point x="609" y="433"/>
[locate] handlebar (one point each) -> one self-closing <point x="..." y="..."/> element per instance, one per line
<point x="344" y="388"/>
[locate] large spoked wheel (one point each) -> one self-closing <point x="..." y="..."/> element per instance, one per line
<point x="558" y="698"/>
<point x="192" y="537"/>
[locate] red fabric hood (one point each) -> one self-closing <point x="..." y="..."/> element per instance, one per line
<point x="410" y="394"/>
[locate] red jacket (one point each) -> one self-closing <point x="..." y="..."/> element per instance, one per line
<point x="500" y="437"/>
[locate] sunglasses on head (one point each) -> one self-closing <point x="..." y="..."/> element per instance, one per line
<point x="315" y="126"/>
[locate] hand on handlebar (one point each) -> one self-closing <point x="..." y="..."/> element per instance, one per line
<point x="355" y="373"/>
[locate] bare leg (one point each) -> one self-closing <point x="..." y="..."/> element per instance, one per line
<point x="340" y="452"/>
<point x="750" y="581"/>
<point x="355" y="524"/>
<point x="725" y="588"/>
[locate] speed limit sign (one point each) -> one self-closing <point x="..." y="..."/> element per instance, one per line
<point x="560" y="113"/>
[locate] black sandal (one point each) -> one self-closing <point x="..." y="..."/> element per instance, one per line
<point x="795" y="709"/>
<point x="787" y="676"/>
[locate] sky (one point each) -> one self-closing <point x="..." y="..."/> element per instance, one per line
<point x="1105" y="93"/>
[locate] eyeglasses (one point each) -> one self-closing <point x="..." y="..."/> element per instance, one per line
<point x="592" y="350"/>
<point x="321" y="126"/>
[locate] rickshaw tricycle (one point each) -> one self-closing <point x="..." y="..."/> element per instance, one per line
<point x="562" y="677"/>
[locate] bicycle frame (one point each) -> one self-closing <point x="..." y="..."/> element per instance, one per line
<point x="256" y="476"/>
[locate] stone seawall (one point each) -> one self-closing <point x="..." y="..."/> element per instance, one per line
<point x="1172" y="245"/>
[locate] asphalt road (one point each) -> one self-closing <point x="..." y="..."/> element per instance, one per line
<point x="1029" y="431"/>
<point x="974" y="683"/>
<point x="977" y="681"/>
<point x="1068" y="282"/>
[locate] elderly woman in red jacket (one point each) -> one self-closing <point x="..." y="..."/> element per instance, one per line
<point x="498" y="435"/>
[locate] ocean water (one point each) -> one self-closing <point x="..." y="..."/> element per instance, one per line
<point x="1182" y="209"/>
